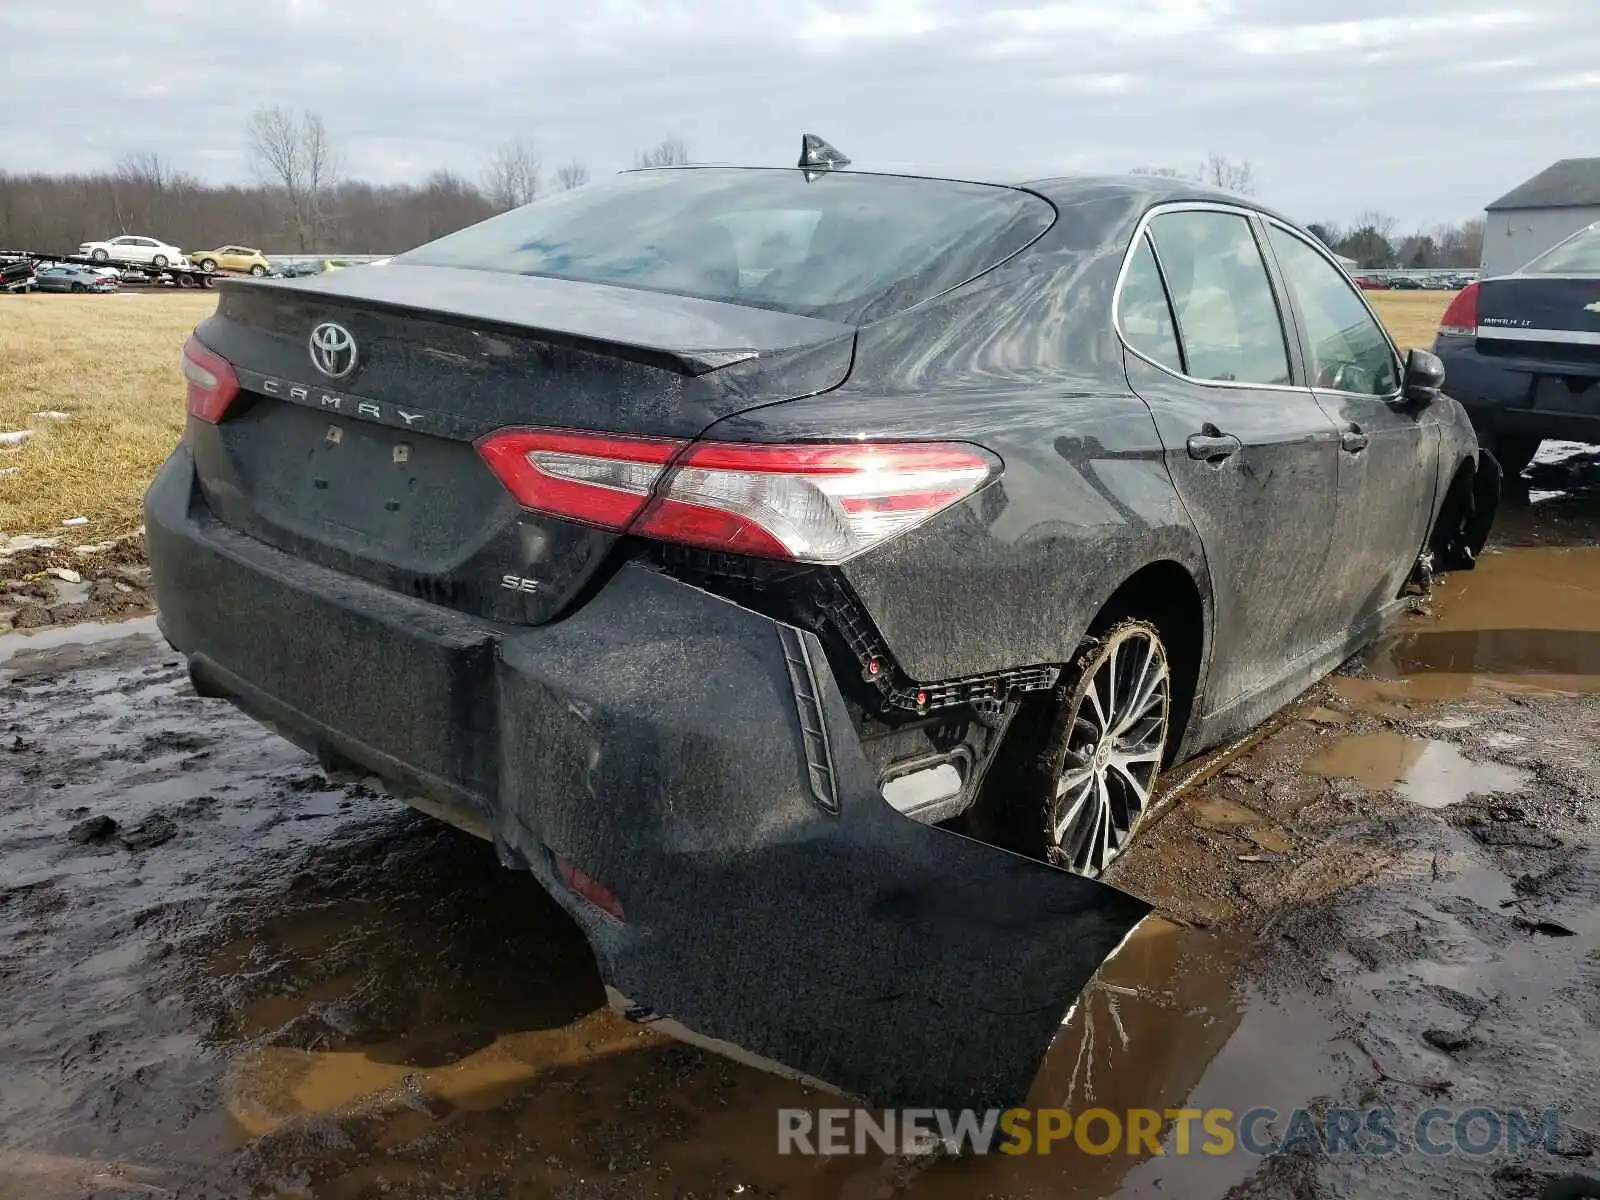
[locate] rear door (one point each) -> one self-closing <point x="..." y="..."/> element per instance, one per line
<point x="1388" y="449"/>
<point x="1253" y="456"/>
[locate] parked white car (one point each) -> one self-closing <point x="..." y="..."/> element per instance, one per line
<point x="130" y="247"/>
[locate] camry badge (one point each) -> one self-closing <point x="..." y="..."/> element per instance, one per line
<point x="333" y="350"/>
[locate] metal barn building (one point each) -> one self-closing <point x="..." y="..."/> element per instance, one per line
<point x="1530" y="218"/>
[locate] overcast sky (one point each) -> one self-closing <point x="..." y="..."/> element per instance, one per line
<point x="1425" y="109"/>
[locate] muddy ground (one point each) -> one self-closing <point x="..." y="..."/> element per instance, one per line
<point x="222" y="973"/>
<point x="63" y="581"/>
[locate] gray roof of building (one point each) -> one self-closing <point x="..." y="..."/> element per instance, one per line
<point x="1570" y="183"/>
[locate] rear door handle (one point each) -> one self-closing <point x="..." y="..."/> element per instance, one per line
<point x="1352" y="440"/>
<point x="1212" y="447"/>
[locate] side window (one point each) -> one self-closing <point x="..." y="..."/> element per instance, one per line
<point x="1227" y="316"/>
<point x="1349" y="352"/>
<point x="1144" y="313"/>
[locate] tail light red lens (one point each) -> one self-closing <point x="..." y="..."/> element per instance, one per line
<point x="807" y="503"/>
<point x="594" y="478"/>
<point x="1461" y="318"/>
<point x="588" y="887"/>
<point x="212" y="382"/>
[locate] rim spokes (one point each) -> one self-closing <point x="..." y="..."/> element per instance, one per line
<point x="1117" y="741"/>
<point x="1076" y="797"/>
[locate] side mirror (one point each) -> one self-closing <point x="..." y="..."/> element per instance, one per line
<point x="1424" y="377"/>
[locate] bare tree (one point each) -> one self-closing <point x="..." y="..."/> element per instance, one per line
<point x="511" y="178"/>
<point x="668" y="152"/>
<point x="571" y="175"/>
<point x="136" y="188"/>
<point x="145" y="167"/>
<point x="1222" y="172"/>
<point x="299" y="155"/>
<point x="1380" y="223"/>
<point x="148" y="195"/>
<point x="1327" y="232"/>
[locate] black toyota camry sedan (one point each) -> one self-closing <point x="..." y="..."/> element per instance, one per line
<point x="748" y="552"/>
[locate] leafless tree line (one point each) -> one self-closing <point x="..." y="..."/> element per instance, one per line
<point x="303" y="202"/>
<point x="1217" y="170"/>
<point x="1373" y="240"/>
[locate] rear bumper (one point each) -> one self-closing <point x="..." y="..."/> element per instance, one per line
<point x="1499" y="395"/>
<point x="698" y="759"/>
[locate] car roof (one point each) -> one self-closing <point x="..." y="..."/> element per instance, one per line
<point x="1057" y="187"/>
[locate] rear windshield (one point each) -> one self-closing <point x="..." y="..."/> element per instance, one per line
<point x="1578" y="255"/>
<point x="846" y="246"/>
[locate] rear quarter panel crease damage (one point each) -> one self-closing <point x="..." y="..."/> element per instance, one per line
<point x="902" y="963"/>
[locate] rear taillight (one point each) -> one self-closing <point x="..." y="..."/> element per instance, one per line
<point x="596" y="478"/>
<point x="1461" y="318"/>
<point x="808" y="503"/>
<point x="212" y="382"/>
<point x="816" y="503"/>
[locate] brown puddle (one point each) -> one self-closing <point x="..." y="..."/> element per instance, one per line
<point x="1430" y="773"/>
<point x="598" y="1097"/>
<point x="1525" y="618"/>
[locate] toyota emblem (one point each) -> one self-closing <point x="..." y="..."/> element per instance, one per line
<point x="333" y="350"/>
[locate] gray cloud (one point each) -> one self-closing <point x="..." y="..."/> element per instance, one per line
<point x="1423" y="108"/>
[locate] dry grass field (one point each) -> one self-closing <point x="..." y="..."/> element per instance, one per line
<point x="111" y="363"/>
<point x="1411" y="317"/>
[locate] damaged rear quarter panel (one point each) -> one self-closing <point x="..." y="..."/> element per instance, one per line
<point x="900" y="963"/>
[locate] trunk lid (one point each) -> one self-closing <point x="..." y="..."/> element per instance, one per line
<point x="1548" y="317"/>
<point x="366" y="462"/>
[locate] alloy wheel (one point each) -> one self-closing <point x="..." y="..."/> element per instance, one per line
<point x="1115" y="739"/>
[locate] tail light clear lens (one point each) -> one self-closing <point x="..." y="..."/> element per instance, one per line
<point x="212" y="382"/>
<point x="1461" y="318"/>
<point x="819" y="504"/>
<point x="807" y="503"/>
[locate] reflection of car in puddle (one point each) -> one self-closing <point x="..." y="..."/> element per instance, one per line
<point x="1140" y="1037"/>
<point x="1526" y="618"/>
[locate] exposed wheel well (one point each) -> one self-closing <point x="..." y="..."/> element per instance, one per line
<point x="1162" y="593"/>
<point x="1165" y="594"/>
<point x="1465" y="514"/>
